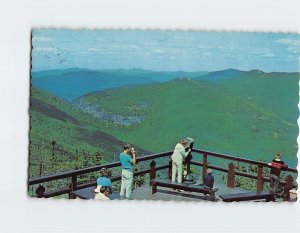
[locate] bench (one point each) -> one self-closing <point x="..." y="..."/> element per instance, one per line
<point x="182" y="186"/>
<point x="249" y="196"/>
<point x="89" y="193"/>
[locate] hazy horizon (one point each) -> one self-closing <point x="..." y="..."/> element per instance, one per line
<point x="190" y="51"/>
<point x="187" y="71"/>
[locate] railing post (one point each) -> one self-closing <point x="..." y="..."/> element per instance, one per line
<point x="152" y="171"/>
<point x="204" y="167"/>
<point x="170" y="170"/>
<point x="231" y="175"/>
<point x="73" y="187"/>
<point x="260" y="181"/>
<point x="40" y="191"/>
<point x="287" y="187"/>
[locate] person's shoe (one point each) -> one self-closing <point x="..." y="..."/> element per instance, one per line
<point x="180" y="190"/>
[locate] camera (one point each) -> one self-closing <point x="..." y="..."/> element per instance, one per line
<point x="131" y="150"/>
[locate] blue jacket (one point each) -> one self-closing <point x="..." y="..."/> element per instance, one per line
<point x="208" y="181"/>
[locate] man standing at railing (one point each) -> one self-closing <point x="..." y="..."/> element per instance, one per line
<point x="276" y="166"/>
<point x="178" y="156"/>
<point x="127" y="159"/>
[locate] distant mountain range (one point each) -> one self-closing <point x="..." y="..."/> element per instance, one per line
<point x="72" y="83"/>
<point x="222" y="75"/>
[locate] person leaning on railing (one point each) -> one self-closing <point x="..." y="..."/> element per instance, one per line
<point x="178" y="156"/>
<point x="127" y="159"/>
<point x="276" y="166"/>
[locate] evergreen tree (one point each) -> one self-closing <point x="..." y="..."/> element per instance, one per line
<point x="53" y="157"/>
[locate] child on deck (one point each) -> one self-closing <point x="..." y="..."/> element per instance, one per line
<point x="208" y="183"/>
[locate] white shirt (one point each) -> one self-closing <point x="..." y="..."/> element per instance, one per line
<point x="179" y="153"/>
<point x="101" y="196"/>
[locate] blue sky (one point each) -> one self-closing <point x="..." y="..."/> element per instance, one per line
<point x="164" y="50"/>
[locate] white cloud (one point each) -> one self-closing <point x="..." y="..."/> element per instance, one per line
<point x="44" y="49"/>
<point x="134" y="46"/>
<point x="294" y="45"/>
<point x="268" y="55"/>
<point x="262" y="52"/>
<point x="202" y="46"/>
<point x="42" y="38"/>
<point x="93" y="49"/>
<point x="159" y="51"/>
<point x="290" y="42"/>
<point x="206" y="54"/>
<point x="294" y="49"/>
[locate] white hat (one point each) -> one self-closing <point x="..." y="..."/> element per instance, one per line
<point x="97" y="190"/>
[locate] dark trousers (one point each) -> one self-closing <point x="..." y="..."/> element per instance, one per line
<point x="274" y="182"/>
<point x="211" y="192"/>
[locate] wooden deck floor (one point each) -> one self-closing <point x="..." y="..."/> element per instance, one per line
<point x="164" y="194"/>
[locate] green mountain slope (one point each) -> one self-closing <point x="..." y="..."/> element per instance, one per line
<point x="276" y="92"/>
<point x="211" y="113"/>
<point x="78" y="142"/>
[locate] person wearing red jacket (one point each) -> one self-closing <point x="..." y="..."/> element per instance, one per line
<point x="276" y="166"/>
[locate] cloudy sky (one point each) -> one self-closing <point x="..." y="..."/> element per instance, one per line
<point x="164" y="50"/>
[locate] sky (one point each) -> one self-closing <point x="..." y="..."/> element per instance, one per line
<point x="164" y="50"/>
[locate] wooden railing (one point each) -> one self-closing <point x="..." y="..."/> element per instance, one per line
<point x="41" y="191"/>
<point x="231" y="173"/>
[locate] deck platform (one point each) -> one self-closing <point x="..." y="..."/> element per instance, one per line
<point x="166" y="194"/>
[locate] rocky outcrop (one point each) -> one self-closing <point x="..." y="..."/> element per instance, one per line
<point x="98" y="112"/>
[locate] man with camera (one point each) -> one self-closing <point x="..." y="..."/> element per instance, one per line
<point x="127" y="159"/>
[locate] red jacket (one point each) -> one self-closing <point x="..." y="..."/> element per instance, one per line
<point x="277" y="166"/>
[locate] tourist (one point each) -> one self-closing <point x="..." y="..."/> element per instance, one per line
<point x="103" y="180"/>
<point x="276" y="166"/>
<point x="103" y="193"/>
<point x="178" y="156"/>
<point x="127" y="159"/>
<point x="208" y="183"/>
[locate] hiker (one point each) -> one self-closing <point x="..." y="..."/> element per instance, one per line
<point x="178" y="157"/>
<point x="103" y="180"/>
<point x="127" y="159"/>
<point x="208" y="184"/>
<point x="276" y="166"/>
